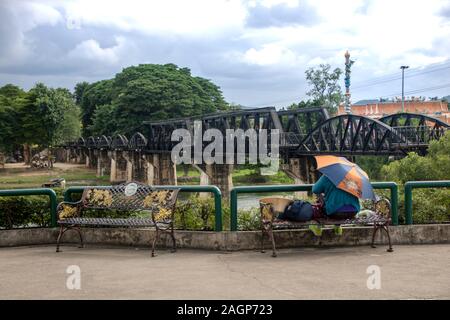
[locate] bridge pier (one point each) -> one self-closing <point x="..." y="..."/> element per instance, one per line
<point x="103" y="163"/>
<point x="204" y="180"/>
<point x="159" y="169"/>
<point x="80" y="157"/>
<point x="302" y="170"/>
<point x="118" y="166"/>
<point x="90" y="159"/>
<point x="220" y="175"/>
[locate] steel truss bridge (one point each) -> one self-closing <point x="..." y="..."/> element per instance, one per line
<point x="304" y="132"/>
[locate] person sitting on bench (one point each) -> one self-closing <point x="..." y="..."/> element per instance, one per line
<point x="339" y="205"/>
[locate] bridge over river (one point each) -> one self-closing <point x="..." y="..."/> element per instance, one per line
<point x="145" y="155"/>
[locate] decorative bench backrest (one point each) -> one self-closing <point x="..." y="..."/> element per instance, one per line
<point x="130" y="196"/>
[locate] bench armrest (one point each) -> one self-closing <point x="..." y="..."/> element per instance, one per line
<point x="267" y="213"/>
<point x="68" y="209"/>
<point x="382" y="208"/>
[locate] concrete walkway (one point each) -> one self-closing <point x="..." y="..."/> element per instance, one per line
<point x="411" y="272"/>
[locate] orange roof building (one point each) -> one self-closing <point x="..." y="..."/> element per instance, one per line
<point x="375" y="109"/>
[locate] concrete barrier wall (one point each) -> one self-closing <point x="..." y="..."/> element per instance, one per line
<point x="242" y="240"/>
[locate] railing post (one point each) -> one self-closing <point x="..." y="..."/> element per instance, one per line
<point x="394" y="204"/>
<point x="408" y="202"/>
<point x="233" y="209"/>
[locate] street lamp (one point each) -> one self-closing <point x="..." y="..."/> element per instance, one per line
<point x="403" y="86"/>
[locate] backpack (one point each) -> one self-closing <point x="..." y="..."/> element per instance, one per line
<point x="299" y="210"/>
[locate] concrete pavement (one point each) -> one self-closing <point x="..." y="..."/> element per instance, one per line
<point x="411" y="272"/>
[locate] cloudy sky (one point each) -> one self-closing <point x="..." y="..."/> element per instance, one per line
<point x="256" y="51"/>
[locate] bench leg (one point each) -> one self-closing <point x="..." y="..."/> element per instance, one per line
<point x="375" y="229"/>
<point x="262" y="240"/>
<point x="386" y="228"/>
<point x="81" y="237"/>
<point x="154" y="242"/>
<point x="274" y="249"/>
<point x="61" y="232"/>
<point x="174" y="242"/>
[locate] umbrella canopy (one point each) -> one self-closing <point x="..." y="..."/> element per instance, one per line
<point x="346" y="175"/>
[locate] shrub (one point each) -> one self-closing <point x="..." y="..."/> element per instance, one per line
<point x="24" y="211"/>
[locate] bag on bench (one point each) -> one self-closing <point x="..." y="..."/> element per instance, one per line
<point x="299" y="210"/>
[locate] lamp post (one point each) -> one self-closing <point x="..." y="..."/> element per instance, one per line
<point x="403" y="86"/>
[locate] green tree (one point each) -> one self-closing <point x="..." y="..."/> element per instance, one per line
<point x="103" y="122"/>
<point x="11" y="100"/>
<point x="156" y="92"/>
<point x="89" y="97"/>
<point x="80" y="88"/>
<point x="146" y="92"/>
<point x="49" y="117"/>
<point x="325" y="89"/>
<point x="305" y="104"/>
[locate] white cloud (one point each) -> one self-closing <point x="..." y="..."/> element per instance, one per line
<point x="196" y="17"/>
<point x="213" y="38"/>
<point x="271" y="54"/>
<point x="90" y="50"/>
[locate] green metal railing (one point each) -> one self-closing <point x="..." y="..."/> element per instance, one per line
<point x="35" y="192"/>
<point x="211" y="189"/>
<point x="258" y="189"/>
<point x="410" y="185"/>
<point x="392" y="186"/>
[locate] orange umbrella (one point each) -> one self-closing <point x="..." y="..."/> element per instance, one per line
<point x="346" y="175"/>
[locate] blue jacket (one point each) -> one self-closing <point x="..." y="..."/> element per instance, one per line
<point x="334" y="197"/>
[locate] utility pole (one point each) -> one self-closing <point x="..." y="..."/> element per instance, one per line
<point x="403" y="86"/>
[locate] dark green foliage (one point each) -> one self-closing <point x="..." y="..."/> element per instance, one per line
<point x="372" y="165"/>
<point x="43" y="116"/>
<point x="89" y="97"/>
<point x="429" y="205"/>
<point x="11" y="100"/>
<point x="24" y="211"/>
<point x="144" y="93"/>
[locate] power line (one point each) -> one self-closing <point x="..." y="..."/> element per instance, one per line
<point x="407" y="76"/>
<point x="395" y="76"/>
<point x="447" y="85"/>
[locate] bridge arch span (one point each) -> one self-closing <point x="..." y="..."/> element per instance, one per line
<point x="351" y="135"/>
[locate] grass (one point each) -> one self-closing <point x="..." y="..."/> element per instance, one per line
<point x="11" y="178"/>
<point x="23" y="177"/>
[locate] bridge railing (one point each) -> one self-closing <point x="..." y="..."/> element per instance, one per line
<point x="211" y="189"/>
<point x="419" y="135"/>
<point x="392" y="186"/>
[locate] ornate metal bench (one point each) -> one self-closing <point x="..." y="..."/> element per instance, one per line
<point x="271" y="207"/>
<point x="158" y="203"/>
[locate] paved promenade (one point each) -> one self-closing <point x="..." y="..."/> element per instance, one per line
<point x="411" y="272"/>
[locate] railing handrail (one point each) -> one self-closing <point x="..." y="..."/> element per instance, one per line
<point x="189" y="188"/>
<point x="35" y="192"/>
